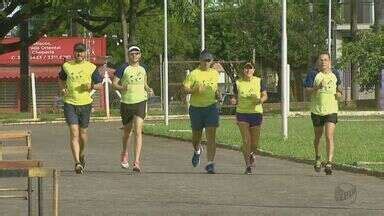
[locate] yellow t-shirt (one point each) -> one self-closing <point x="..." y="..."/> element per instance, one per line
<point x="324" y="101"/>
<point x="78" y="74"/>
<point x="134" y="78"/>
<point x="209" y="80"/>
<point x="248" y="92"/>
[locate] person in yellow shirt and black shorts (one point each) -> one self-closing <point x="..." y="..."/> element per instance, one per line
<point x="77" y="79"/>
<point x="324" y="85"/>
<point x="202" y="84"/>
<point x="251" y="94"/>
<point x="131" y="80"/>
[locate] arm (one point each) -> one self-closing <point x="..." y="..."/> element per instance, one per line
<point x="96" y="82"/>
<point x="116" y="79"/>
<point x="187" y="89"/>
<point x="339" y="90"/>
<point x="62" y="82"/>
<point x="313" y="89"/>
<point x="116" y="85"/>
<point x="62" y="87"/>
<point x="147" y="88"/>
<point x="309" y="83"/>
<point x="190" y="87"/>
<point x="263" y="93"/>
<point x="339" y="93"/>
<point x="264" y="97"/>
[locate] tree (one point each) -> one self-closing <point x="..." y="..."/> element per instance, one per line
<point x="129" y="12"/>
<point x="19" y="11"/>
<point x="367" y="53"/>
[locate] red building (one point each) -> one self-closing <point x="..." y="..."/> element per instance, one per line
<point x="46" y="57"/>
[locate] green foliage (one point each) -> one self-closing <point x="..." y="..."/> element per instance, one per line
<point x="234" y="32"/>
<point x="367" y="52"/>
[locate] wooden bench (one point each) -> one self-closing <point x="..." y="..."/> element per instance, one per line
<point x="32" y="169"/>
<point x="25" y="148"/>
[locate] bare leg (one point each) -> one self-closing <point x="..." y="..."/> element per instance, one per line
<point x="246" y="137"/>
<point x="329" y="133"/>
<point x="210" y="133"/>
<point x="196" y="139"/>
<point x="83" y="140"/>
<point x="316" y="142"/>
<point x="74" y="139"/>
<point x="138" y="129"/>
<point x="126" y="134"/>
<point x="255" y="137"/>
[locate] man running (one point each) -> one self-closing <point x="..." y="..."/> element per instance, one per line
<point x="202" y="84"/>
<point x="77" y="79"/>
<point x="324" y="87"/>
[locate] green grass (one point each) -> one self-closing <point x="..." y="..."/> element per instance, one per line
<point x="8" y="117"/>
<point x="354" y="140"/>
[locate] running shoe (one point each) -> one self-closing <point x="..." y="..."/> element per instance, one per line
<point x="196" y="158"/>
<point x="210" y="168"/>
<point x="136" y="167"/>
<point x="252" y="159"/>
<point x="124" y="160"/>
<point x="248" y="170"/>
<point x="328" y="168"/>
<point x="79" y="169"/>
<point x="317" y="165"/>
<point x="82" y="161"/>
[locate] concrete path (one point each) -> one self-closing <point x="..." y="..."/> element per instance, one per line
<point x="169" y="185"/>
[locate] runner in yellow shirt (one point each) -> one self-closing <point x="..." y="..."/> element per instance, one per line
<point x="77" y="78"/>
<point x="202" y="84"/>
<point x="251" y="94"/>
<point x="325" y="89"/>
<point x="131" y="80"/>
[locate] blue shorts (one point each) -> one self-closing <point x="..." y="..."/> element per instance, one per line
<point x="77" y="114"/>
<point x="202" y="117"/>
<point x="253" y="119"/>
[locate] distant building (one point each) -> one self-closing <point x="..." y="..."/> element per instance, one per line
<point x="46" y="57"/>
<point x="365" y="20"/>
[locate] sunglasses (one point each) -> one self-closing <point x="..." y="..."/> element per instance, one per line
<point x="134" y="53"/>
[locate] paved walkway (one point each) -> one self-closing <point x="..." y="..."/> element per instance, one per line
<point x="169" y="185"/>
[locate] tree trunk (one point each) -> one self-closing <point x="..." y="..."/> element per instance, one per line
<point x="74" y="28"/>
<point x="354" y="89"/>
<point x="24" y="67"/>
<point x="133" y="7"/>
<point x="124" y="28"/>
<point x="379" y="85"/>
<point x="376" y="24"/>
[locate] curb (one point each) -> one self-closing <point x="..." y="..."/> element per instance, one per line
<point x="340" y="113"/>
<point x="337" y="166"/>
<point x="103" y="119"/>
<point x="93" y="119"/>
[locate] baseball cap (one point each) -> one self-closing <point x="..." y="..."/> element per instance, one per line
<point x="206" y="55"/>
<point x="249" y="65"/>
<point x="133" y="48"/>
<point x="79" y="47"/>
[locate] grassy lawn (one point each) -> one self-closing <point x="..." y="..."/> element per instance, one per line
<point x="356" y="140"/>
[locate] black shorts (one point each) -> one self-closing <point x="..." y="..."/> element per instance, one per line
<point x="77" y="114"/>
<point x="128" y="111"/>
<point x="253" y="119"/>
<point x="319" y="121"/>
